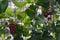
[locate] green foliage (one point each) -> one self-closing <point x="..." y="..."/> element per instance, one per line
<point x="40" y="29"/>
<point x="31" y="11"/>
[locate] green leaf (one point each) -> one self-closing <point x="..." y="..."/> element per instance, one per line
<point x="26" y="21"/>
<point x="25" y="32"/>
<point x="58" y="26"/>
<point x="44" y="9"/>
<point x="3" y="6"/>
<point x="55" y="17"/>
<point x="58" y="36"/>
<point x="19" y="28"/>
<point x="19" y="3"/>
<point x="30" y="1"/>
<point x="21" y="15"/>
<point x="31" y="11"/>
<point x="3" y="30"/>
<point x="24" y="18"/>
<point x="9" y="10"/>
<point x="36" y="36"/>
<point x="11" y="21"/>
<point x="44" y="3"/>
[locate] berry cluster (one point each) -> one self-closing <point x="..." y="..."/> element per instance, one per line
<point x="12" y="28"/>
<point x="47" y="15"/>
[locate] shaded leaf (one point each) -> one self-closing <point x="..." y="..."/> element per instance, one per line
<point x="3" y="6"/>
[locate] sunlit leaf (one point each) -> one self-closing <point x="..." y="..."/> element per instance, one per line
<point x="19" y="3"/>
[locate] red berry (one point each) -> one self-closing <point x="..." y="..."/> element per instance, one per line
<point x="46" y="14"/>
<point x="49" y="18"/>
<point x="12" y="28"/>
